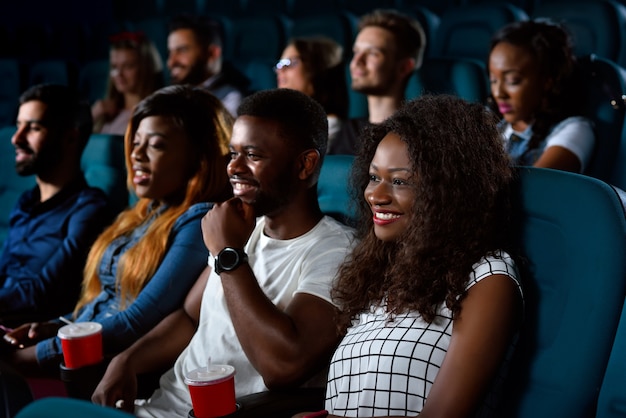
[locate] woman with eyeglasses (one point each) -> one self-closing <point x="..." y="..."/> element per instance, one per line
<point x="314" y="66"/>
<point x="136" y="70"/>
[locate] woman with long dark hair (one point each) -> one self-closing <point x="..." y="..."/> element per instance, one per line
<point x="430" y="297"/>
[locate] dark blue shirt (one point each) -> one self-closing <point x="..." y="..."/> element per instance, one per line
<point x="42" y="260"/>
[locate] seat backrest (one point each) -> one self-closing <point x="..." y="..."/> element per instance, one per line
<point x="11" y="184"/>
<point x="10" y="88"/>
<point x="301" y="8"/>
<point x="572" y="233"/>
<point x="259" y="37"/>
<point x="93" y="79"/>
<point x="104" y="167"/>
<point x="333" y="192"/>
<point x="156" y="29"/>
<point x="260" y="72"/>
<point x="466" y="31"/>
<point x="596" y="26"/>
<point x="612" y="398"/>
<point x="462" y="77"/>
<point x="618" y="177"/>
<point x="604" y="84"/>
<point x="340" y="27"/>
<point x="357" y="102"/>
<point x="267" y="7"/>
<point x="361" y="7"/>
<point x="439" y="7"/>
<point x="57" y="71"/>
<point x="430" y="23"/>
<point x="177" y="7"/>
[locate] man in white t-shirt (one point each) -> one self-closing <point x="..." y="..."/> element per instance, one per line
<point x="263" y="304"/>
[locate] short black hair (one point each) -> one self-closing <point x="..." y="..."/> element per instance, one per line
<point x="206" y="30"/>
<point x="65" y="109"/>
<point x="303" y="120"/>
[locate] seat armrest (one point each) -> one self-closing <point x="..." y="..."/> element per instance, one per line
<point x="280" y="403"/>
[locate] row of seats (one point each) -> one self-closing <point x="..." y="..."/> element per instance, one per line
<point x="461" y="33"/>
<point x="597" y="26"/>
<point x="452" y="66"/>
<point x="569" y="361"/>
<point x="123" y="10"/>
<point x="90" y="78"/>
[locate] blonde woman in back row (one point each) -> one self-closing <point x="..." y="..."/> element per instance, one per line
<point x="136" y="70"/>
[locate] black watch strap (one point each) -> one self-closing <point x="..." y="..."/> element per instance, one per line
<point x="229" y="259"/>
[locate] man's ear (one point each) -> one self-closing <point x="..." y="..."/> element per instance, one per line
<point x="406" y="67"/>
<point x="307" y="163"/>
<point x="71" y="136"/>
<point x="215" y="51"/>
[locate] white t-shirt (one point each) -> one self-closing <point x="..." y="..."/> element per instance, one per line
<point x="574" y="134"/>
<point x="306" y="264"/>
<point x="388" y="368"/>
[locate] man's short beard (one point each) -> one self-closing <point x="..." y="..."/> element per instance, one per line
<point x="26" y="168"/>
<point x="380" y="90"/>
<point x="197" y="74"/>
<point x="41" y="162"/>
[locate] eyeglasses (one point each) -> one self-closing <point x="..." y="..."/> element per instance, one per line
<point x="286" y="63"/>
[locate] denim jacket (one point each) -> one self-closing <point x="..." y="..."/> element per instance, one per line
<point x="183" y="262"/>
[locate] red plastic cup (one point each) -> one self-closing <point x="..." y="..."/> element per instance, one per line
<point x="212" y="390"/>
<point x="81" y="343"/>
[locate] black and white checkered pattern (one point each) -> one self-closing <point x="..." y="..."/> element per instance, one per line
<point x="385" y="367"/>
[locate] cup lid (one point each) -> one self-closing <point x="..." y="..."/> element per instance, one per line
<point x="212" y="375"/>
<point x="79" y="330"/>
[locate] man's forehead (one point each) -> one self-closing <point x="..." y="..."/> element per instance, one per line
<point x="254" y="131"/>
<point x="182" y="37"/>
<point x="375" y="36"/>
<point x="33" y="111"/>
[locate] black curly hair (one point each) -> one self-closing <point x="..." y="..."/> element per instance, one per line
<point x="462" y="211"/>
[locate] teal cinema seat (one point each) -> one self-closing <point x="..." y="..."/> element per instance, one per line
<point x="572" y="232"/>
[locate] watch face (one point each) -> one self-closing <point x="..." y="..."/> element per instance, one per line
<point x="229" y="258"/>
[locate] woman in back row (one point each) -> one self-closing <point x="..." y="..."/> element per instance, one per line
<point x="136" y="70"/>
<point x="314" y="67"/>
<point x="532" y="72"/>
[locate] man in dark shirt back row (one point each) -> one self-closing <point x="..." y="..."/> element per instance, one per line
<point x="53" y="225"/>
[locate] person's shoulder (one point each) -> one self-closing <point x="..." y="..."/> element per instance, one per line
<point x="195" y="212"/>
<point x="92" y="195"/>
<point x="495" y="263"/>
<point x="331" y="229"/>
<point x="573" y="121"/>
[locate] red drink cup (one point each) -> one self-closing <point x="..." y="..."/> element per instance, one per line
<point x="81" y="343"/>
<point x="212" y="390"/>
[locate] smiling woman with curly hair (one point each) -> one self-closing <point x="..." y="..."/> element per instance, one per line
<point x="430" y="297"/>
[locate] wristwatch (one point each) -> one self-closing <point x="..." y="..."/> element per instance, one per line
<point x="229" y="259"/>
